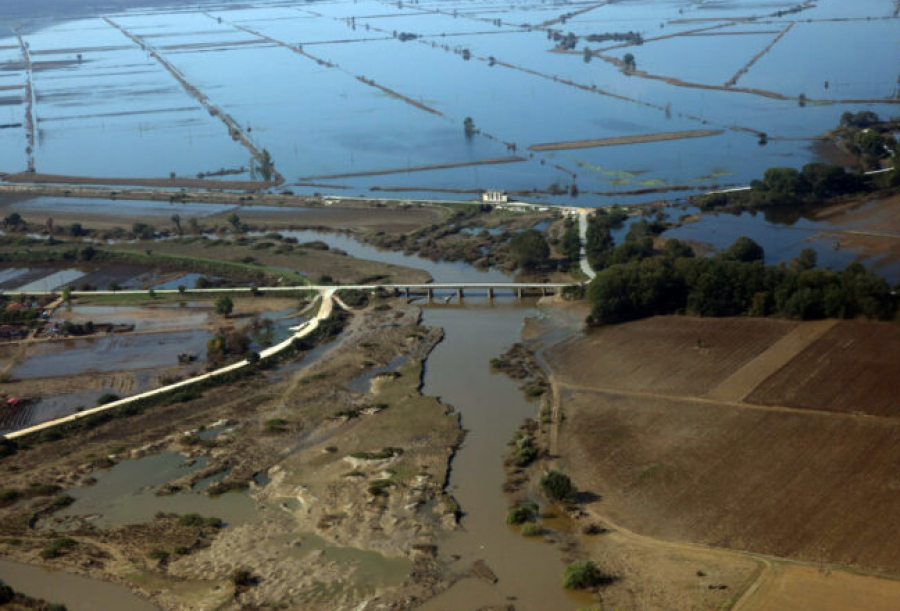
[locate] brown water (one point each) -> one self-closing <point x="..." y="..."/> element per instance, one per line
<point x="492" y="406"/>
<point x="77" y="593"/>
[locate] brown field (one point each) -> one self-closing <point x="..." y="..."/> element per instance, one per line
<point x="641" y="139"/>
<point x="684" y="356"/>
<point x="656" y="426"/>
<point x="793" y="485"/>
<point x="806" y="588"/>
<point x="854" y="368"/>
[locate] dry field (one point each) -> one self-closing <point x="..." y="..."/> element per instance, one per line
<point x="806" y="588"/>
<point x="742" y="434"/>
<point x="854" y="368"/>
<point x="683" y="356"/>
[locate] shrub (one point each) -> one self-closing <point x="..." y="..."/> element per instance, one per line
<point x="526" y="512"/>
<point x="58" y="547"/>
<point x="107" y="397"/>
<point x="557" y="486"/>
<point x="384" y="453"/>
<point x="379" y="487"/>
<point x="532" y="530"/>
<point x="158" y="554"/>
<point x="581" y="574"/>
<point x="63" y="500"/>
<point x="242" y="578"/>
<point x="276" y="425"/>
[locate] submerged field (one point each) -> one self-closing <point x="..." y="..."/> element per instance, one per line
<point x="347" y="97"/>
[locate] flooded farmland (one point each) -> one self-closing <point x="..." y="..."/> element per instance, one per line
<point x="393" y="84"/>
<point x="266" y="422"/>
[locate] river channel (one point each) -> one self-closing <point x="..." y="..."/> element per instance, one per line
<point x="492" y="407"/>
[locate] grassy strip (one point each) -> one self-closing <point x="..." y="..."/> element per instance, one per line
<point x="181" y="262"/>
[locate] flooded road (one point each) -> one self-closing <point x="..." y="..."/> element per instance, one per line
<point x="492" y="406"/>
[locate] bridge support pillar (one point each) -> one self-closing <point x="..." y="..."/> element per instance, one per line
<point x="491" y="293"/>
<point x="430" y="295"/>
<point x="407" y="291"/>
<point x="460" y="294"/>
<point x="519" y="294"/>
<point x="544" y="291"/>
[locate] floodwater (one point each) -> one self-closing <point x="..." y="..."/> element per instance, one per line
<point x="111" y="353"/>
<point x="125" y="494"/>
<point x="492" y="407"/>
<point x="441" y="271"/>
<point x="77" y="593"/>
<point x="106" y="106"/>
<point x="783" y="239"/>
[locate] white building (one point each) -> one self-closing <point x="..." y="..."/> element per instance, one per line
<point x="494" y="196"/>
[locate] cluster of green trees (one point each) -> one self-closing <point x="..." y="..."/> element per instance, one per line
<point x="529" y="249"/>
<point x="791" y="187"/>
<point x="735" y="283"/>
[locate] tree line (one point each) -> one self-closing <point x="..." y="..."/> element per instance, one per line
<point x="639" y="282"/>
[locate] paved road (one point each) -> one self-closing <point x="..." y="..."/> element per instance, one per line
<point x="303" y="330"/>
<point x="586" y="268"/>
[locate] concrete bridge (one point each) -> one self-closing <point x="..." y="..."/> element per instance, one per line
<point x="519" y="289"/>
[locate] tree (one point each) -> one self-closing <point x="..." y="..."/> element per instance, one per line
<point x="895" y="175"/>
<point x="176" y="219"/>
<point x="571" y="242"/>
<point x="581" y="574"/>
<point x="234" y="220"/>
<point x="266" y="167"/>
<point x="629" y="63"/>
<point x="557" y="486"/>
<point x="182" y="289"/>
<point x="67" y="295"/>
<point x="194" y="226"/>
<point x="744" y="250"/>
<point x="870" y="144"/>
<point x="143" y="231"/>
<point x="469" y="126"/>
<point x="807" y="259"/>
<point x="224" y="305"/>
<point x="76" y="230"/>
<point x="529" y="249"/>
<point x="13" y="221"/>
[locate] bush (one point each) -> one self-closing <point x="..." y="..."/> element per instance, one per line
<point x="158" y="554"/>
<point x="242" y="578"/>
<point x="557" y="486"/>
<point x="384" y="453"/>
<point x="58" y="547"/>
<point x="107" y="398"/>
<point x="532" y="530"/>
<point x="581" y="574"/>
<point x="379" y="487"/>
<point x="195" y="519"/>
<point x="526" y="512"/>
<point x="63" y="500"/>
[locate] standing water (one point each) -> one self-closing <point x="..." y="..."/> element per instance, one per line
<point x="529" y="570"/>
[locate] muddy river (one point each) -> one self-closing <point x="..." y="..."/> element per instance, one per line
<point x="492" y="406"/>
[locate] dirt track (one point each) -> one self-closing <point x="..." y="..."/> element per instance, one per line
<point x="620" y="140"/>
